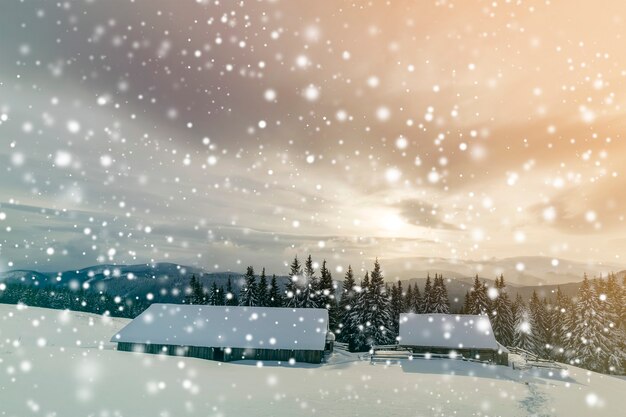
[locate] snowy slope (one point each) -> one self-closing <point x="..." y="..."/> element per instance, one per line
<point x="61" y="364"/>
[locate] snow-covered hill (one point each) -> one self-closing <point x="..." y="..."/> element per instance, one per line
<point x="56" y="363"/>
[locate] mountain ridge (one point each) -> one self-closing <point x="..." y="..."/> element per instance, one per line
<point x="166" y="282"/>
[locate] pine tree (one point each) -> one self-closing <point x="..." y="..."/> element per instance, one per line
<point x="478" y="300"/>
<point x="195" y="292"/>
<point x="248" y="293"/>
<point x="348" y="296"/>
<point x="190" y="291"/>
<point x="523" y="337"/>
<point x="623" y="309"/>
<point x="587" y="343"/>
<point x="275" y="297"/>
<point x="418" y="300"/>
<point x="539" y="318"/>
<point x="326" y="290"/>
<point x="397" y="305"/>
<point x="326" y="297"/>
<point x="439" y="301"/>
<point x="502" y="319"/>
<point x="231" y="297"/>
<point x="200" y="294"/>
<point x="408" y="300"/>
<point x="467" y="301"/>
<point x="309" y="288"/>
<point x="427" y="298"/>
<point x="610" y="306"/>
<point x="261" y="291"/>
<point x="558" y="330"/>
<point x="292" y="289"/>
<point x="357" y="339"/>
<point x="378" y="317"/>
<point x="214" y="295"/>
<point x="221" y="299"/>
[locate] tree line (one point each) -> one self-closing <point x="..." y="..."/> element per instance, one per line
<point x="62" y="298"/>
<point x="588" y="330"/>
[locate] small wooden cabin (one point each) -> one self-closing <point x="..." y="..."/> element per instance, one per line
<point x="228" y="333"/>
<point x="452" y="334"/>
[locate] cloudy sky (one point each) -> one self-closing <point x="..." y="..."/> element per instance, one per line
<point x="227" y="133"/>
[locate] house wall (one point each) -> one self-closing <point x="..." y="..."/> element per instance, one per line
<point x="488" y="355"/>
<point x="308" y="356"/>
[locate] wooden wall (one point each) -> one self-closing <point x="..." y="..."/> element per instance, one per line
<point x="308" y="356"/>
<point x="234" y="354"/>
<point x="487" y="355"/>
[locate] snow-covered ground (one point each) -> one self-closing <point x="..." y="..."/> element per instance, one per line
<point x="55" y="363"/>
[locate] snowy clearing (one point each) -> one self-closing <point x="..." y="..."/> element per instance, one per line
<point x="55" y="363"/>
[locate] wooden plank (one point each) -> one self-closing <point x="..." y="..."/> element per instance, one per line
<point x="213" y="353"/>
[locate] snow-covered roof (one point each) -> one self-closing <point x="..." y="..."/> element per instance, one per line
<point x="447" y="331"/>
<point x="235" y="327"/>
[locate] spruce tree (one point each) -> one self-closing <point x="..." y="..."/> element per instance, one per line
<point x="427" y="298"/>
<point x="502" y="319"/>
<point x="275" y="297"/>
<point x="397" y="305"/>
<point x="221" y="299"/>
<point x="408" y="300"/>
<point x="467" y="301"/>
<point x="539" y="318"/>
<point x="610" y="306"/>
<point x="623" y="309"/>
<point x="292" y="289"/>
<point x="418" y="300"/>
<point x="326" y="290"/>
<point x="307" y="286"/>
<point x="261" y="291"/>
<point x="346" y="304"/>
<point x="190" y="291"/>
<point x="231" y="297"/>
<point x="588" y="343"/>
<point x="357" y="320"/>
<point x="214" y="295"/>
<point x="326" y="298"/>
<point x="440" y="302"/>
<point x="195" y="292"/>
<point x="200" y="294"/>
<point x="478" y="300"/>
<point x="248" y="293"/>
<point x="378" y="316"/>
<point x="558" y="329"/>
<point x="523" y="337"/>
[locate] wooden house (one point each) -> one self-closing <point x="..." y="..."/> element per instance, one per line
<point x="470" y="336"/>
<point x="226" y="333"/>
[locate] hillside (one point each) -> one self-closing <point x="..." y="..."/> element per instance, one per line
<point x="61" y="363"/>
<point x="519" y="270"/>
<point x="166" y="281"/>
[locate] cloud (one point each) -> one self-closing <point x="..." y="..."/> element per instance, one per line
<point x="177" y="118"/>
<point x="586" y="209"/>
<point x="423" y="214"/>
